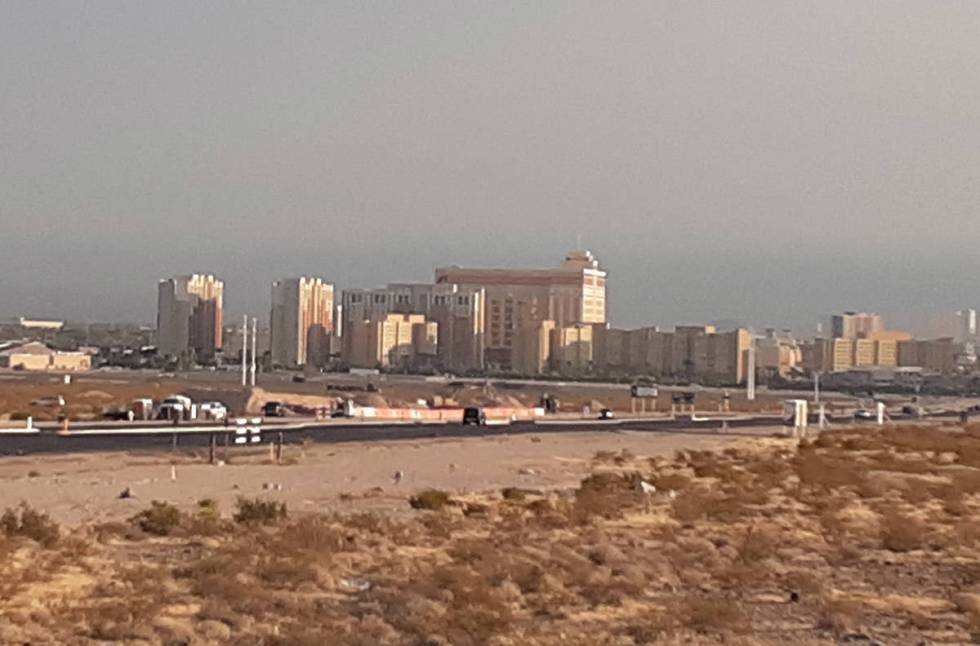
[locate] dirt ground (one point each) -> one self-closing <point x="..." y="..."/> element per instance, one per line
<point x="316" y="477"/>
<point x="861" y="536"/>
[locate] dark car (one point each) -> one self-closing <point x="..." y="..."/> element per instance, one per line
<point x="474" y="416"/>
<point x="299" y="379"/>
<point x="606" y="413"/>
<point x="274" y="409"/>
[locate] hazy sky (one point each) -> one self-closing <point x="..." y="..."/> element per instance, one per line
<point x="763" y="161"/>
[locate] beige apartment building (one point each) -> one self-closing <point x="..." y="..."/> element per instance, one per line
<point x="518" y="299"/>
<point x="301" y="321"/>
<point x="855" y="325"/>
<point x="393" y="341"/>
<point x="877" y="349"/>
<point x="936" y="355"/>
<point x="190" y="316"/>
<point x="458" y="314"/>
<point x="689" y="352"/>
<point x="544" y="347"/>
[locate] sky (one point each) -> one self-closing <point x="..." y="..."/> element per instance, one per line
<point x="765" y="162"/>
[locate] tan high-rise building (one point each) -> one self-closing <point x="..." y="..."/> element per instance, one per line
<point x="392" y="340"/>
<point x="190" y="316"/>
<point x="457" y="312"/>
<point x="574" y="293"/>
<point x="855" y="325"/>
<point x="301" y="321"/>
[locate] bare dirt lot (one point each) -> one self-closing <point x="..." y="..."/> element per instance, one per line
<point x="860" y="536"/>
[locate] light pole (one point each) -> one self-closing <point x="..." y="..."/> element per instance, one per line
<point x="255" y="334"/>
<point x="244" y="349"/>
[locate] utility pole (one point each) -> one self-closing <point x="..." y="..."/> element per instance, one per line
<point x="816" y="387"/>
<point x="244" y="348"/>
<point x="255" y="334"/>
<point x="750" y="386"/>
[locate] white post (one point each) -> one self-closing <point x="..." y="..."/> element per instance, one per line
<point x="750" y="386"/>
<point x="881" y="413"/>
<point x="30" y="423"/>
<point x="816" y="387"/>
<point x="255" y="334"/>
<point x="244" y="348"/>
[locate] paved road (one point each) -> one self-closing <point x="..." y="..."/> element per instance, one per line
<point x="47" y="442"/>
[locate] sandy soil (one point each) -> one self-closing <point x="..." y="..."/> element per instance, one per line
<point x="86" y="488"/>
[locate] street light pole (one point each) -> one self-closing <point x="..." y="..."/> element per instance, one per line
<point x="255" y="334"/>
<point x="244" y="348"/>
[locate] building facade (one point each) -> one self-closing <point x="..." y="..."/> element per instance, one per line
<point x="190" y="316"/>
<point x="855" y="325"/>
<point x="403" y="341"/>
<point x="301" y="321"/>
<point x="571" y="294"/>
<point x="457" y="312"/>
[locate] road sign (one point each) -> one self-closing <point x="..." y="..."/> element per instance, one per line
<point x="644" y="391"/>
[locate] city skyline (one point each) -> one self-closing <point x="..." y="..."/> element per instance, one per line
<point x="829" y="165"/>
<point x="923" y="323"/>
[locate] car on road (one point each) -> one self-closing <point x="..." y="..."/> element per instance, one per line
<point x="606" y="413"/>
<point x="474" y="416"/>
<point x="911" y="410"/>
<point x="865" y="414"/>
<point x="213" y="410"/>
<point x="274" y="409"/>
<point x="49" y="401"/>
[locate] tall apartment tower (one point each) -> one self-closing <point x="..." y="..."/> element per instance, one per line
<point x="967" y="325"/>
<point x="520" y="299"/>
<point x="457" y="313"/>
<point x="855" y="325"/>
<point x="301" y="321"/>
<point x="190" y="316"/>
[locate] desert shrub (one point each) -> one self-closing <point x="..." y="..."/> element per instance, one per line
<point x="255" y="511"/>
<point x="513" y="493"/>
<point x="29" y="523"/>
<point x="431" y="499"/>
<point x="840" y="614"/>
<point x="670" y="482"/>
<point x="900" y="533"/>
<point x="713" y="615"/>
<point x="757" y="545"/>
<point x="160" y="519"/>
<point x="827" y="471"/>
<point x="312" y="535"/>
<point x="280" y="572"/>
<point x="208" y="509"/>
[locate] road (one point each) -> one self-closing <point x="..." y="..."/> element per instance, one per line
<point x="107" y="439"/>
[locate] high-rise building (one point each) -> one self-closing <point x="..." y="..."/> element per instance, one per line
<point x="301" y="321"/>
<point x="967" y="325"/>
<point x="457" y="312"/>
<point x="392" y="340"/>
<point x="855" y="325"/>
<point x="190" y="316"/>
<point x="519" y="299"/>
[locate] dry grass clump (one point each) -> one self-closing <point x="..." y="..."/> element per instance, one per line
<point x="430" y="499"/>
<point x="26" y="522"/>
<point x="901" y="533"/>
<point x="712" y="615"/>
<point x="255" y="511"/>
<point x="160" y="519"/>
<point x="840" y="614"/>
